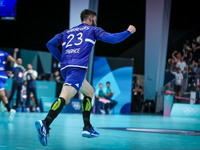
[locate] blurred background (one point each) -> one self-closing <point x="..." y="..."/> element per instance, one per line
<point x="29" y="25"/>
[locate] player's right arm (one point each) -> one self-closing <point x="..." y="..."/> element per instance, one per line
<point x="12" y="60"/>
<point x="52" y="46"/>
<point x="116" y="37"/>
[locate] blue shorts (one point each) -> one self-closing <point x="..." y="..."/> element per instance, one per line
<point x="2" y="82"/>
<point x="74" y="76"/>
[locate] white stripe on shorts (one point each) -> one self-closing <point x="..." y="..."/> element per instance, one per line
<point x="67" y="84"/>
<point x="73" y="66"/>
<point x="2" y="89"/>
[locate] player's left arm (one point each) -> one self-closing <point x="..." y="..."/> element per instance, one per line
<point x="118" y="37"/>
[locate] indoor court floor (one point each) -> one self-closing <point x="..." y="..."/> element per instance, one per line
<point x="117" y="132"/>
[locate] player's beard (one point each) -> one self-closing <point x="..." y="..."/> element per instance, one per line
<point x="93" y="23"/>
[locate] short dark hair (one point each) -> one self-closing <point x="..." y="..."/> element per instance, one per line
<point x="86" y="13"/>
<point x="29" y="64"/>
<point x="107" y="82"/>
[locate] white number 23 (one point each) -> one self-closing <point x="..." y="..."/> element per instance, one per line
<point x="71" y="37"/>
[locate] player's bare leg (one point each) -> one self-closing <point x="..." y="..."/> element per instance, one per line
<point x="86" y="89"/>
<point x="88" y="92"/>
<point x="4" y="98"/>
<point x="42" y="126"/>
<point x="67" y="93"/>
<point x="5" y="101"/>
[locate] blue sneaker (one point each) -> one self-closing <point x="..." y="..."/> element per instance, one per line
<point x="89" y="132"/>
<point x="43" y="131"/>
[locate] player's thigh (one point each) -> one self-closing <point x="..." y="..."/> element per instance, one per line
<point x="86" y="89"/>
<point x="67" y="93"/>
<point x="2" y="93"/>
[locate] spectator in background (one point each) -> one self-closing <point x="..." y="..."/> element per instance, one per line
<point x="30" y="76"/>
<point x="99" y="92"/>
<point x="191" y="77"/>
<point x="192" y="67"/>
<point x="24" y="96"/>
<point x="56" y="77"/>
<point x="178" y="57"/>
<point x="178" y="81"/>
<point x="168" y="65"/>
<point x="188" y="54"/>
<point x="17" y="78"/>
<point x="197" y="50"/>
<point x="194" y="45"/>
<point x="171" y="64"/>
<point x="182" y="65"/>
<point x="108" y="92"/>
<point x="187" y="43"/>
<point x="108" y="95"/>
<point x="195" y="71"/>
<point x="136" y="97"/>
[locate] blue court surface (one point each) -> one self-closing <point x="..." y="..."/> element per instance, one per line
<point x="116" y="132"/>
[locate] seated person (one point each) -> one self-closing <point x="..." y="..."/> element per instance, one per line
<point x="99" y="92"/>
<point x="108" y="95"/>
<point x="56" y="77"/>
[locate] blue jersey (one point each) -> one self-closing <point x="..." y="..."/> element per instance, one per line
<point x="77" y="44"/>
<point x="3" y="58"/>
<point x="7" y="7"/>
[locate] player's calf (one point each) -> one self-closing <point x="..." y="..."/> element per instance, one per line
<point x="55" y="109"/>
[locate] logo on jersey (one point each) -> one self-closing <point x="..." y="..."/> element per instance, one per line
<point x="70" y="51"/>
<point x="2" y="68"/>
<point x="63" y="43"/>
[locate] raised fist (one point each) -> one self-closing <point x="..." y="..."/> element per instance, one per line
<point x="16" y="50"/>
<point x="132" y="29"/>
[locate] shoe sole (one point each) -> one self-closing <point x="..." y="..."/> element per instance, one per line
<point x="88" y="135"/>
<point x="38" y="125"/>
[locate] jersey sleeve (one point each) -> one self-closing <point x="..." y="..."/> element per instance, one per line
<point x="59" y="37"/>
<point x="115" y="37"/>
<point x="98" y="33"/>
<point x="52" y="47"/>
<point x="6" y="55"/>
<point x="35" y="73"/>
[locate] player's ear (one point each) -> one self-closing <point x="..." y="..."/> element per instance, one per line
<point x="90" y="18"/>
